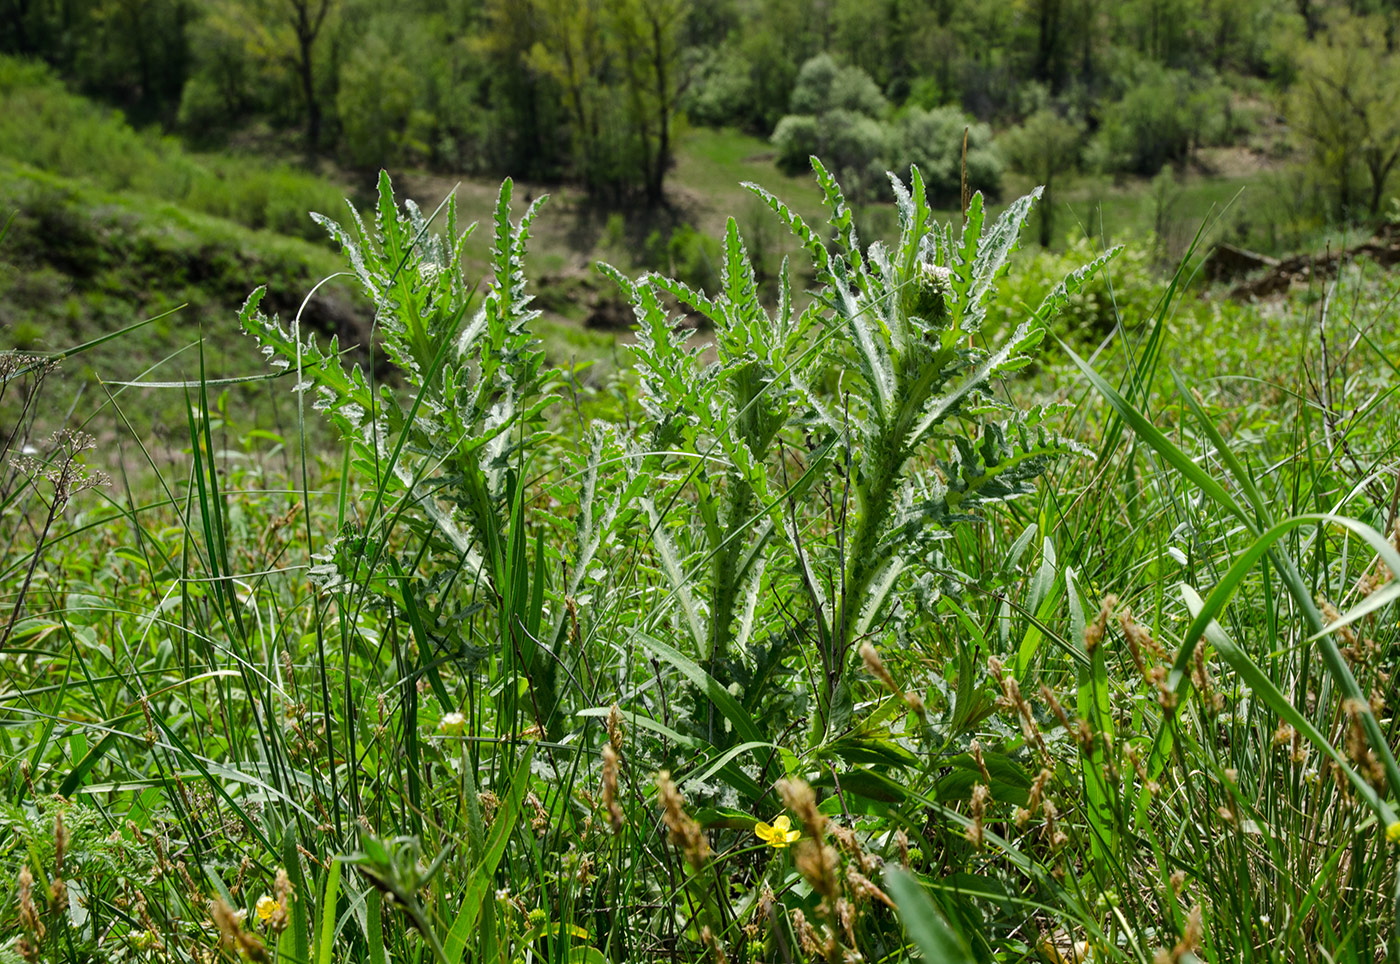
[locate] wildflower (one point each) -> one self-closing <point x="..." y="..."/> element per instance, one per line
<point x="267" y="906"/>
<point x="778" y="834"/>
<point x="1392" y="832"/>
<point x="452" y="724"/>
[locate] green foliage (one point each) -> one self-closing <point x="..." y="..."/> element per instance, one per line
<point x="1163" y="117"/>
<point x="47" y="127"/>
<point x="932" y="140"/>
<point x="79" y="263"/>
<point x="1003" y="773"/>
<point x="1345" y="108"/>
<point x="1044" y="147"/>
<point x="376" y="105"/>
<point x="823" y="86"/>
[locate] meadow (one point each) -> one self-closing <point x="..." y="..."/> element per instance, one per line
<point x="935" y="600"/>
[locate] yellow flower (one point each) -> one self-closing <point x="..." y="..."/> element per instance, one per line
<point x="267" y="906"/>
<point x="1392" y="832"/>
<point x="779" y="834"/>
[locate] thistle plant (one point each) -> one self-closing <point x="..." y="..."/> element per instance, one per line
<point x="442" y="455"/>
<point x="878" y="383"/>
<point x="715" y="428"/>
<point x="927" y="441"/>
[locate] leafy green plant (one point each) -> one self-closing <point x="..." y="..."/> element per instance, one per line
<point x="898" y="323"/>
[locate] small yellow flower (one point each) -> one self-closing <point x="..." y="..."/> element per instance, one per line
<point x="779" y="834"/>
<point x="267" y="906"/>
<point x="1392" y="832"/>
<point x="452" y="724"/>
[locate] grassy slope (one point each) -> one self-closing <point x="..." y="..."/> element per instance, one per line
<point x="80" y="262"/>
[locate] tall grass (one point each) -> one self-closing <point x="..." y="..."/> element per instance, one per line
<point x="528" y="670"/>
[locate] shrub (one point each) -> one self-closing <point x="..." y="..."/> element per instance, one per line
<point x="823" y="86"/>
<point x="932" y="140"/>
<point x="836" y="116"/>
<point x="1162" y="118"/>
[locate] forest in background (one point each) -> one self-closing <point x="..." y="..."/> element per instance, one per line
<point x="596" y="93"/>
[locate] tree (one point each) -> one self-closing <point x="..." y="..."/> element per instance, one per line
<point x="1043" y="147"/>
<point x="1345" y="106"/>
<point x="307" y="17"/>
<point x="272" y="34"/>
<point x="618" y="68"/>
<point x="933" y="139"/>
<point x="648" y="35"/>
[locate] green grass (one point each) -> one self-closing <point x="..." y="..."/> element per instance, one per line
<point x="45" y="126"/>
<point x="80" y="262"/>
<point x="437" y="698"/>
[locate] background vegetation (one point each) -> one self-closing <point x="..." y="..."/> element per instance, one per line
<point x="838" y="573"/>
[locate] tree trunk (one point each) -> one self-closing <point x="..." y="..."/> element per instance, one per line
<point x="1380" y="169"/>
<point x="313" y="106"/>
<point x="307" y="26"/>
<point x="656" y="179"/>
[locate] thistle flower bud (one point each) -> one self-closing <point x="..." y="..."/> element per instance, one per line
<point x="927" y="293"/>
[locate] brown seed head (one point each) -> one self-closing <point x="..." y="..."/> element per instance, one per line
<point x="610" y="801"/>
<point x="615" y="730"/>
<point x="1093" y="633"/>
<point x="685" y="832"/>
<point x="819" y="863"/>
<point x="875" y="666"/>
<point x="284" y="893"/>
<point x="28" y="913"/>
<point x="798" y="797"/>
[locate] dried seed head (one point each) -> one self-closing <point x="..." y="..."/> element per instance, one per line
<point x="60" y="841"/>
<point x="1358" y="747"/>
<point x="285" y="894"/>
<point x="978" y="804"/>
<point x="539" y="822"/>
<point x="1093" y="633"/>
<point x="232" y="937"/>
<point x="1053" y="701"/>
<point x="226" y="921"/>
<point x="707" y="937"/>
<point x="1211" y="701"/>
<point x="798" y="797"/>
<point x="875" y="666"/>
<point x="28" y="913"/>
<point x="976" y="751"/>
<point x="863" y="888"/>
<point x="1191" y="937"/>
<point x="819" y="864"/>
<point x="610" y="801"/>
<point x="615" y="731"/>
<point x="806" y="935"/>
<point x="845" y="838"/>
<point x="685" y="832"/>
